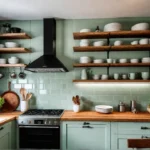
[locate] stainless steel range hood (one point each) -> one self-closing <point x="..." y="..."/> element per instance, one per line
<point x="48" y="62"/>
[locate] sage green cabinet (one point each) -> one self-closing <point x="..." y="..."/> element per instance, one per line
<point x="8" y="136"/>
<point x="121" y="131"/>
<point x="5" y="136"/>
<point x="78" y="135"/>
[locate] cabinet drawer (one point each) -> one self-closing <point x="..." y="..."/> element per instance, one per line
<point x="133" y="128"/>
<point x="4" y="129"/>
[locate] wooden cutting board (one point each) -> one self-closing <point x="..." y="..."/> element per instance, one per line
<point x="12" y="100"/>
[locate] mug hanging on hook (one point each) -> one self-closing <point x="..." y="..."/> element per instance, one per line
<point x="13" y="74"/>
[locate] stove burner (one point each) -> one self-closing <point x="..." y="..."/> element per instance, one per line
<point x="49" y="112"/>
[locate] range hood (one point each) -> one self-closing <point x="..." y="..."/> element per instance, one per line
<point x="48" y="62"/>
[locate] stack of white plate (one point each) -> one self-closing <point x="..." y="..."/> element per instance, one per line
<point x="85" y="59"/>
<point x="146" y="60"/>
<point x="104" y="109"/>
<point x="11" y="44"/>
<point x="84" y="42"/>
<point x="115" y="26"/>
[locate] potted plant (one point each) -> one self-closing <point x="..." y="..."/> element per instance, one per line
<point x="2" y="101"/>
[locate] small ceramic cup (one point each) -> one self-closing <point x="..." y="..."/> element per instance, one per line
<point x="116" y="76"/>
<point x="145" y="75"/>
<point x="124" y="76"/>
<point x="104" y="77"/>
<point x="131" y="76"/>
<point x="96" y="76"/>
<point x="109" y="60"/>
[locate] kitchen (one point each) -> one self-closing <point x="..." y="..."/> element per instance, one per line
<point x="56" y="90"/>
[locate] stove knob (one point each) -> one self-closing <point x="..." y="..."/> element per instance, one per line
<point x="29" y="122"/>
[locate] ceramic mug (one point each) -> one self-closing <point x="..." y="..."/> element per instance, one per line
<point x="109" y="60"/>
<point x="96" y="76"/>
<point x="104" y="77"/>
<point x="131" y="76"/>
<point x="124" y="76"/>
<point x="116" y="76"/>
<point x="145" y="75"/>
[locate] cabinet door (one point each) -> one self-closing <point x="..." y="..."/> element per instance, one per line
<point x="94" y="136"/>
<point x="5" y="142"/>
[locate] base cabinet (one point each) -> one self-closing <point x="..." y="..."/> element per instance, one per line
<point x="8" y="136"/>
<point x="85" y="136"/>
<point x="122" y="131"/>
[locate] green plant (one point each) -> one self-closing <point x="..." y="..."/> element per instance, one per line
<point x="2" y="101"/>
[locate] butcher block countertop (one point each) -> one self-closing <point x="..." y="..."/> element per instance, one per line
<point x="113" y="117"/>
<point x="8" y="116"/>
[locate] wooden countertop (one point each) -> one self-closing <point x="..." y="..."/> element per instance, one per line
<point x="8" y="116"/>
<point x="113" y="117"/>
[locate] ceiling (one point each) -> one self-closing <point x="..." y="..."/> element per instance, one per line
<point x="73" y="9"/>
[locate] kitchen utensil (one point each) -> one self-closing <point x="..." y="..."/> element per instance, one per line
<point x="140" y="26"/>
<point x="11" y="100"/>
<point x="117" y="43"/>
<point x="15" y="30"/>
<point x="98" y="60"/>
<point x="134" y="43"/>
<point x="85" y="30"/>
<point x="11" y="44"/>
<point x="145" y="75"/>
<point x="28" y="97"/>
<point x="2" y="60"/>
<point x="144" y="41"/>
<point x="22" y="93"/>
<point x="84" y="74"/>
<point x="121" y="107"/>
<point x="77" y="100"/>
<point x="104" y="109"/>
<point x="22" y="75"/>
<point x="1" y="45"/>
<point x="131" y="76"/>
<point x="113" y="27"/>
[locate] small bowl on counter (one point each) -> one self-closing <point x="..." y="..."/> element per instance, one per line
<point x="11" y="44"/>
<point x="105" y="109"/>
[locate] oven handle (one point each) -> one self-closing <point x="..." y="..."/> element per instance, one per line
<point x="38" y="127"/>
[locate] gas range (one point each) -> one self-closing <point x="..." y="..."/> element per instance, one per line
<point x="41" y="117"/>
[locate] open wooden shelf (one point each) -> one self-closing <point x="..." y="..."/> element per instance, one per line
<point x="15" y="50"/>
<point x="107" y="81"/>
<point x="91" y="65"/>
<point x="131" y="48"/>
<point x="112" y="65"/>
<point x="12" y="65"/>
<point x="90" y="35"/>
<point x="113" y="34"/>
<point x="14" y="36"/>
<point x="131" y="34"/>
<point x="91" y="48"/>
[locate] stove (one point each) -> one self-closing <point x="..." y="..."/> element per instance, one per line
<point x="41" y="117"/>
<point x="40" y="129"/>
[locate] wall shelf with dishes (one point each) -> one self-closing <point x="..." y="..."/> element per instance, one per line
<point x="12" y="47"/>
<point x="140" y="30"/>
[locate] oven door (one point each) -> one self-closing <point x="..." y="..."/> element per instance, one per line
<point x="39" y="137"/>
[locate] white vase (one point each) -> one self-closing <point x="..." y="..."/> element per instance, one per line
<point x="76" y="108"/>
<point x="24" y="106"/>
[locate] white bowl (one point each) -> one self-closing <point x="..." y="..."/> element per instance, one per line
<point x="1" y="45"/>
<point x="123" y="60"/>
<point x="144" y="41"/>
<point x="85" y="30"/>
<point x="140" y="26"/>
<point x="84" y="41"/>
<point x="84" y="44"/>
<point x="134" y="43"/>
<point x="11" y="44"/>
<point x="96" y="77"/>
<point x="98" y="60"/>
<point x="113" y="27"/>
<point x="2" y="61"/>
<point x="104" y="77"/>
<point x="99" y="43"/>
<point x="85" y="59"/>
<point x="104" y="109"/>
<point x="13" y="61"/>
<point x="134" y="60"/>
<point x="117" y="43"/>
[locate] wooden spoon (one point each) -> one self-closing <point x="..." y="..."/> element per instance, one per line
<point x="22" y="93"/>
<point x="28" y="97"/>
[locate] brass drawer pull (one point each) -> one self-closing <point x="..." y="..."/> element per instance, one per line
<point x="1" y="128"/>
<point x="145" y="128"/>
<point x="87" y="127"/>
<point x="86" y="123"/>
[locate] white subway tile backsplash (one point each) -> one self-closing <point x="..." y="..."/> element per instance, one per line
<point x="17" y="86"/>
<point x="42" y="92"/>
<point x="22" y="81"/>
<point x="28" y="86"/>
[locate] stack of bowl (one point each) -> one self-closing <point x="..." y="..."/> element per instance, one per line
<point x="104" y="109"/>
<point x="85" y="59"/>
<point x="145" y="59"/>
<point x="11" y="44"/>
<point x="115" y="26"/>
<point x="13" y="60"/>
<point x="84" y="42"/>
